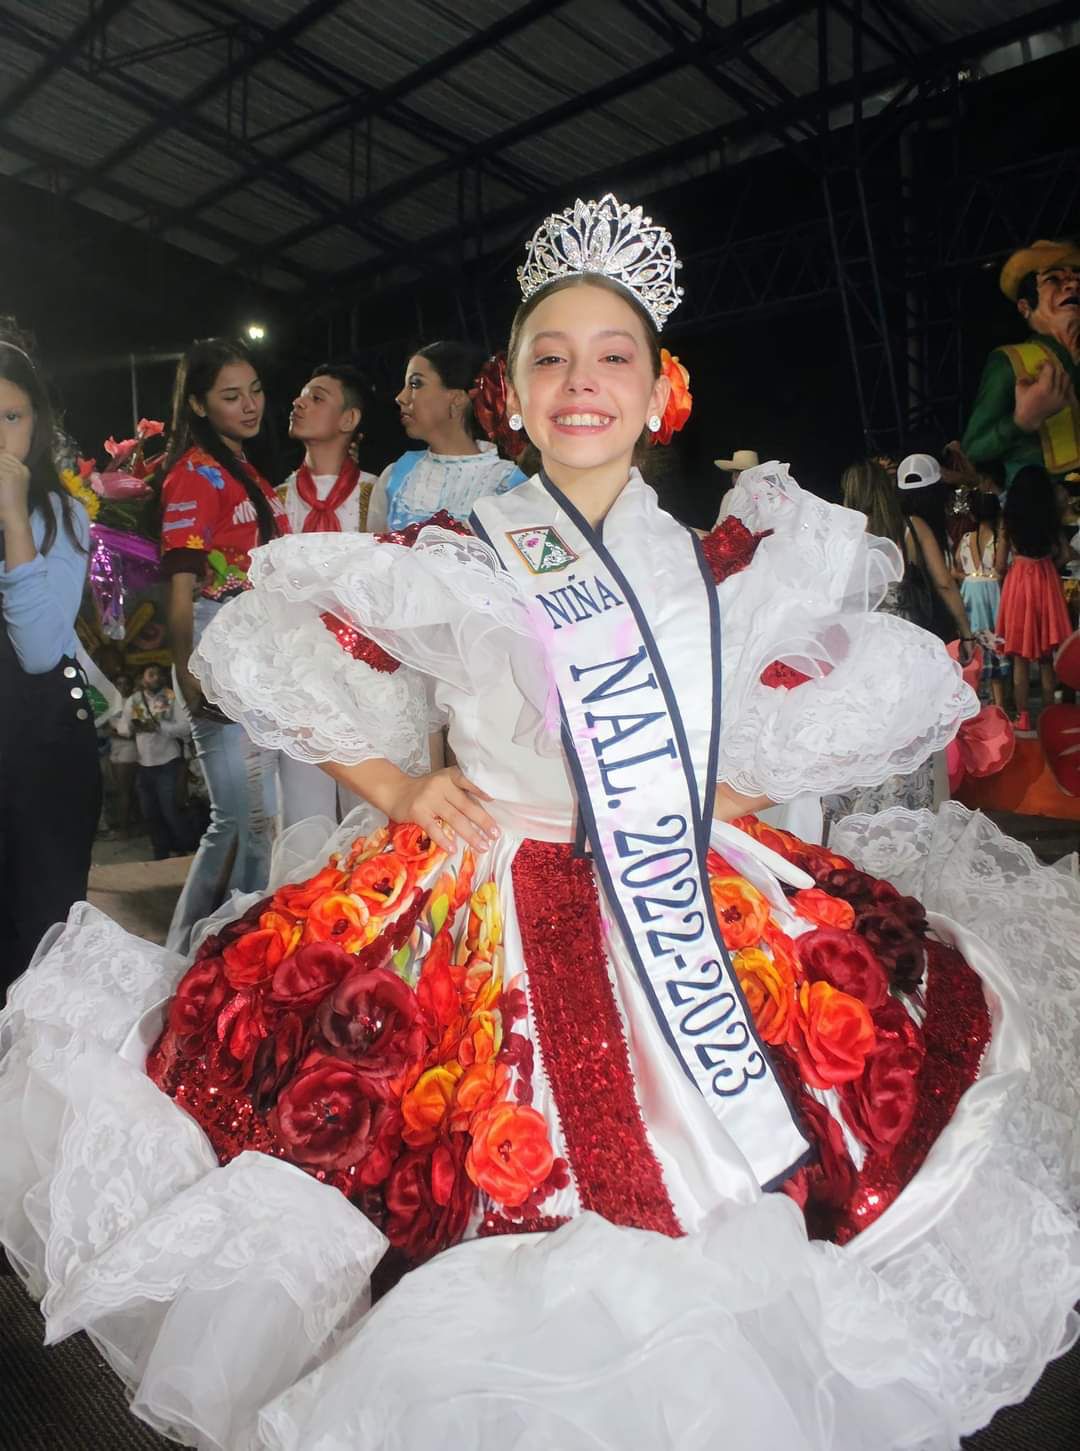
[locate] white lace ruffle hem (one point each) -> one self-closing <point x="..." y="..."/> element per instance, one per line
<point x="233" y="1300"/>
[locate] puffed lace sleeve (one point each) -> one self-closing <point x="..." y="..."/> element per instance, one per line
<point x="822" y="691"/>
<point x="332" y="653"/>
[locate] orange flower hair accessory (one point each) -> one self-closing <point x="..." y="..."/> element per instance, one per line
<point x="680" y="402"/>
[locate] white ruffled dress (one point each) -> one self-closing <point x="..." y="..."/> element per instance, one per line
<point x="234" y="1300"/>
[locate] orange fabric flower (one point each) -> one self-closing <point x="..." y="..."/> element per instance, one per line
<point x="827" y="911"/>
<point x="427" y="1103"/>
<point x="769" y="989"/>
<point x="286" y="926"/>
<point x="253" y="957"/>
<point x="381" y="881"/>
<point x="300" y="896"/>
<point x="741" y="911"/>
<point x="783" y="950"/>
<point x="511" y="1154"/>
<point x="481" y="1039"/>
<point x="831" y="1035"/>
<point x="483" y="1086"/>
<point x="680" y="401"/>
<point x="413" y="845"/>
<point x="339" y="918"/>
<point x="485" y="920"/>
<point x="465" y="874"/>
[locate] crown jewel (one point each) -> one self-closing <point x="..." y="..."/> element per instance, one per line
<point x="613" y="239"/>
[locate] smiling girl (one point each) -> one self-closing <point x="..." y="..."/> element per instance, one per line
<point x="458" y="466"/>
<point x="560" y="1028"/>
<point x="216" y="507"/>
<point x="49" y="779"/>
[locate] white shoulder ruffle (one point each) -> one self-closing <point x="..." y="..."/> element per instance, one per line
<point x="883" y="695"/>
<point x="445" y="609"/>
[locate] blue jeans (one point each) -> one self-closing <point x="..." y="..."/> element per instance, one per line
<point x="158" y="788"/>
<point x="234" y="854"/>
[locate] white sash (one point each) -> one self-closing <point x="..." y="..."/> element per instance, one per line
<point x="638" y="790"/>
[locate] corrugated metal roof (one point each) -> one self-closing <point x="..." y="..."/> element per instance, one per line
<point x="267" y="169"/>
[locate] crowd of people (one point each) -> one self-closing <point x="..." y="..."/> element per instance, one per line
<point x="622" y="1093"/>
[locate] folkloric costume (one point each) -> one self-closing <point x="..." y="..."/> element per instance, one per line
<point x="421" y="484"/>
<point x="209" y="528"/>
<point x="325" y="504"/>
<point x="560" y="1075"/>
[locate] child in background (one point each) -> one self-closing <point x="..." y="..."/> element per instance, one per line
<point x="980" y="584"/>
<point x="1032" y="618"/>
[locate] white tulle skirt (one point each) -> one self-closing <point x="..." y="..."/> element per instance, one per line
<point x="234" y="1301"/>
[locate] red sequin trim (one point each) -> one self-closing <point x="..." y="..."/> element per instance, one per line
<point x="730" y="547"/>
<point x="781" y="676"/>
<point x="956" y="1031"/>
<point x="408" y="537"/>
<point x="493" y="1224"/>
<point x="355" y="643"/>
<point x="581" y="1039"/>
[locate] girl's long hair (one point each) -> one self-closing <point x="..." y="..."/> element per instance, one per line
<point x="1032" y="520"/>
<point x="46" y="492"/>
<point x="867" y="487"/>
<point x="928" y="504"/>
<point x="196" y="374"/>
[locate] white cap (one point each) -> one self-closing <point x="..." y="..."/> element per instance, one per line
<point x="918" y="470"/>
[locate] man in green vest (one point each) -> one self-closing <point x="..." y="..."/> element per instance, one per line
<point x="1026" y="410"/>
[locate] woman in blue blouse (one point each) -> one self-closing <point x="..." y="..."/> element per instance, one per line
<point x="50" y="785"/>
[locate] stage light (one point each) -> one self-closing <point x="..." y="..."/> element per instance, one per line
<point x="256" y="332"/>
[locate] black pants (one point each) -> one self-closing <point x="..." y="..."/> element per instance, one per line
<point x="50" y="798"/>
<point x="159" y="790"/>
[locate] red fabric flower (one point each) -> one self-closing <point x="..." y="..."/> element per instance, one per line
<point x="197" y="1001"/>
<point x="275" y="1060"/>
<point x="303" y="980"/>
<point x="829" y="1183"/>
<point x="252" y="958"/>
<point x="241" y="1027"/>
<point x="373" y="1019"/>
<point x="845" y="960"/>
<point x="831" y="1035"/>
<point x="430" y="1198"/>
<point x="730" y="547"/>
<point x="490" y="406"/>
<point x="216" y="943"/>
<point x="850" y="884"/>
<point x="880" y="1105"/>
<point x="325" y="1118"/>
<point x="900" y="950"/>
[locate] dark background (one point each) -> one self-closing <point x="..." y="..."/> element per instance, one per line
<point x="770" y="376"/>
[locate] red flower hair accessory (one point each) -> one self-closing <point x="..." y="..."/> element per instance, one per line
<point x="488" y="396"/>
<point x="680" y="400"/>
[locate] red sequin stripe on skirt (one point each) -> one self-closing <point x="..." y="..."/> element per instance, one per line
<point x="581" y="1039"/>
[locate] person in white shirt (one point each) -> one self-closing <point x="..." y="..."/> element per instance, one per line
<point x="328" y="494"/>
<point x="151" y="718"/>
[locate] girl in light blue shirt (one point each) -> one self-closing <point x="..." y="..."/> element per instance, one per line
<point x="50" y="784"/>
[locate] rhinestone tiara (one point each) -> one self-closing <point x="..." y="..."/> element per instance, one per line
<point x="613" y="239"/>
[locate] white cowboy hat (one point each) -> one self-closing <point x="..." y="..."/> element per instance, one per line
<point x="742" y="458"/>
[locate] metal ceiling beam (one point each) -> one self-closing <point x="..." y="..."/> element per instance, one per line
<point x="310" y="14"/>
<point x="297" y="58"/>
<point x="732" y="38"/>
<point x="209" y="133"/>
<point x="363" y="107"/>
<point x="97" y="19"/>
<point x="46" y="161"/>
<point x="881" y="79"/>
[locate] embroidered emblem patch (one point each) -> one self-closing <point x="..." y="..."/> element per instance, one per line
<point x="541" y="549"/>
